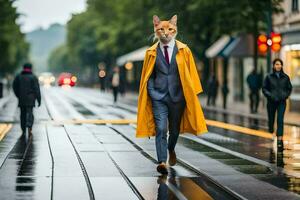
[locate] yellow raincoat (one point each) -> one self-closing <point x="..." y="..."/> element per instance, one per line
<point x="192" y="119"/>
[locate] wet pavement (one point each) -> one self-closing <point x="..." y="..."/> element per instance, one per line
<point x="89" y="161"/>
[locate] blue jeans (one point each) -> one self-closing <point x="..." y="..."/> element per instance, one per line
<point x="167" y="115"/>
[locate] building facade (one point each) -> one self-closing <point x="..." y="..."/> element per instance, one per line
<point x="288" y="24"/>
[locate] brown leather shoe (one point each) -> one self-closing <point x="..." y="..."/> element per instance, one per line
<point x="30" y="132"/>
<point x="172" y="158"/>
<point x="162" y="168"/>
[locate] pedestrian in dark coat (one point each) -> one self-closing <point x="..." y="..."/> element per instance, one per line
<point x="212" y="91"/>
<point x="277" y="88"/>
<point x="26" y="88"/>
<point x="225" y="92"/>
<point x="254" y="81"/>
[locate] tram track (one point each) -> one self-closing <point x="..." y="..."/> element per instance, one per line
<point x="185" y="164"/>
<point x="125" y="177"/>
<point x="52" y="160"/>
<point x="181" y="161"/>
<point x="23" y="152"/>
<point x="84" y="171"/>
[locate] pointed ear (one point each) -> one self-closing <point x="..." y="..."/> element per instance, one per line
<point x="156" y="20"/>
<point x="173" y="20"/>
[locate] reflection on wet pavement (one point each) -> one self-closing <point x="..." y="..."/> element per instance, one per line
<point x="109" y="155"/>
<point x="288" y="178"/>
<point x="264" y="149"/>
<point x="20" y="175"/>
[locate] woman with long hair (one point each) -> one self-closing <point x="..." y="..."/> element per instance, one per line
<point x="277" y="88"/>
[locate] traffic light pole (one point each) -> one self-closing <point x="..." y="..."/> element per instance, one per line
<point x="269" y="31"/>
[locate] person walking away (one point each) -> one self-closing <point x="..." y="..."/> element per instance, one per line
<point x="115" y="83"/>
<point x="277" y="88"/>
<point x="255" y="83"/>
<point x="212" y="92"/>
<point x="26" y="88"/>
<point x="225" y="92"/>
<point x="1" y="89"/>
<point x="168" y="93"/>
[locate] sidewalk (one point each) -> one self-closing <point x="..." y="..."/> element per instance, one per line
<point x="234" y="108"/>
<point x="243" y="109"/>
<point x="5" y="98"/>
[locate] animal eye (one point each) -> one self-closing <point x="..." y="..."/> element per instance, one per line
<point x="161" y="29"/>
<point x="170" y="29"/>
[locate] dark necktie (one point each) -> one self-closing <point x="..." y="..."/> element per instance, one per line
<point x="166" y="54"/>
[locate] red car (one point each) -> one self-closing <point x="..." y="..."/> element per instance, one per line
<point x="67" y="79"/>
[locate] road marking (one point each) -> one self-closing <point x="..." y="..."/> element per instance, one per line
<point x="95" y="121"/>
<point x="239" y="129"/>
<point x="4" y="129"/>
<point x="218" y="124"/>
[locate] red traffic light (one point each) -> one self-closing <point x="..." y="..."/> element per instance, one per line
<point x="276" y="42"/>
<point x="276" y="37"/>
<point x="262" y="38"/>
<point x="262" y="43"/>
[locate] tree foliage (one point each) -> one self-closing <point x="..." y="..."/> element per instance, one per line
<point x="59" y="59"/>
<point x="110" y="28"/>
<point x="13" y="48"/>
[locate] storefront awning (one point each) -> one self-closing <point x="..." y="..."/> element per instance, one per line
<point x="215" y="49"/>
<point x="136" y="55"/>
<point x="242" y="46"/>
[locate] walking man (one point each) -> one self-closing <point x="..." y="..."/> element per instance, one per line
<point x="212" y="92"/>
<point x="277" y="88"/>
<point x="26" y="88"/>
<point x="254" y="81"/>
<point x="168" y="93"/>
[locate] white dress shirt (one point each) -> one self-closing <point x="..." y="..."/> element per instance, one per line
<point x="170" y="45"/>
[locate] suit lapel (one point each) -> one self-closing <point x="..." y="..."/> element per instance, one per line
<point x="173" y="59"/>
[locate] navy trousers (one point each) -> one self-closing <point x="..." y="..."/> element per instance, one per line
<point x="167" y="116"/>
<point x="272" y="107"/>
<point x="26" y="117"/>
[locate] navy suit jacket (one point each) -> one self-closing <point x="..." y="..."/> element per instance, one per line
<point x="165" y="78"/>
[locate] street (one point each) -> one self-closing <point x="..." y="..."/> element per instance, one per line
<point x="84" y="147"/>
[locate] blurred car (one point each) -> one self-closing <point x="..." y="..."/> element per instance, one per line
<point x="47" y="79"/>
<point x="66" y="79"/>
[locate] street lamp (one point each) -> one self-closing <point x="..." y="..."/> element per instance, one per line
<point x="129" y="66"/>
<point x="102" y="75"/>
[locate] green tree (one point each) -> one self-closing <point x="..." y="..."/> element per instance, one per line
<point x="58" y="60"/>
<point x="108" y="29"/>
<point x="13" y="47"/>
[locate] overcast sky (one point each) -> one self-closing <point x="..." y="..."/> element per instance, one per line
<point x="42" y="13"/>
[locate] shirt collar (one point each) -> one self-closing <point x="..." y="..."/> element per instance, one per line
<point x="171" y="44"/>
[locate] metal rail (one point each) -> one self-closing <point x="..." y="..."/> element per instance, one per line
<point x="185" y="164"/>
<point x="85" y="174"/>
